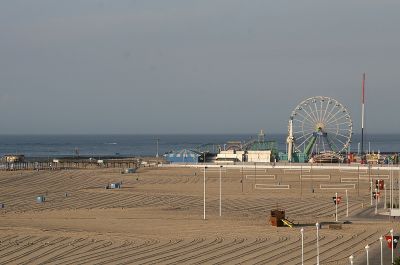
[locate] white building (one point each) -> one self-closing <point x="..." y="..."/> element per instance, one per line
<point x="263" y="156"/>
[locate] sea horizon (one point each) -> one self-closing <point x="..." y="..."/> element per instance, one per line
<point x="57" y="145"/>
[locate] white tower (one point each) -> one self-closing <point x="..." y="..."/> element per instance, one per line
<point x="290" y="140"/>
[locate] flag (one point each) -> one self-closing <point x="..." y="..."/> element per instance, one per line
<point x="379" y="184"/>
<point x="339" y="199"/>
<point x="389" y="241"/>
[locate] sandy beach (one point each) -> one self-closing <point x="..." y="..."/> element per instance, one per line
<point x="157" y="216"/>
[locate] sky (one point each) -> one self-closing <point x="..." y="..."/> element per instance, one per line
<point x="186" y="66"/>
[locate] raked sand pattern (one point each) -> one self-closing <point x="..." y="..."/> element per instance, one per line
<point x="157" y="217"/>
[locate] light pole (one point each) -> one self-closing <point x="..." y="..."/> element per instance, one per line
<point x="370" y="189"/>
<point x="336" y="206"/>
<point x="347" y="205"/>
<point x="204" y="194"/>
<point x="391" y="234"/>
<point x="381" y="240"/>
<point x="351" y="258"/>
<point x="384" y="188"/>
<point x="220" y="190"/>
<point x="366" y="249"/>
<point x="157" y="146"/>
<point x="302" y="245"/>
<point x="317" y="225"/>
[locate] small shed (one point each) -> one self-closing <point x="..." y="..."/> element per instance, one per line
<point x="183" y="156"/>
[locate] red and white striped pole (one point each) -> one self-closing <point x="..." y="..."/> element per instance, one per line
<point x="362" y="117"/>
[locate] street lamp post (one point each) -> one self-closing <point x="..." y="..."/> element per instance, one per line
<point x="391" y="234"/>
<point x="351" y="258"/>
<point x="370" y="188"/>
<point x="366" y="249"/>
<point x="157" y="146"/>
<point x="381" y="240"/>
<point x="384" y="188"/>
<point x="204" y="194"/>
<point x="302" y="245"/>
<point x="220" y="191"/>
<point x="347" y="205"/>
<point x="336" y="206"/>
<point x="317" y="225"/>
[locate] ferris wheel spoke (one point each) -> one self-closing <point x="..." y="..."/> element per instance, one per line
<point x="305" y="121"/>
<point x="339" y="119"/>
<point x="321" y="110"/>
<point x="302" y="128"/>
<point x="303" y="131"/>
<point x="334" y="143"/>
<point x="311" y="135"/>
<point x="311" y="118"/>
<point x="311" y="111"/>
<point x="303" y="136"/>
<point x="334" y="117"/>
<point x="326" y="109"/>
<point x="317" y="112"/>
<point x="336" y="132"/>
<point x="333" y="112"/>
<point x="344" y="145"/>
<point x="342" y="123"/>
<point x="337" y="127"/>
<point x="305" y="118"/>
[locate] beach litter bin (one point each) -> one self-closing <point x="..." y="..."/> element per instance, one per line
<point x="130" y="170"/>
<point x="40" y="199"/>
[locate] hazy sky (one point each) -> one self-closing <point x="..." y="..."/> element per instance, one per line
<point x="185" y="66"/>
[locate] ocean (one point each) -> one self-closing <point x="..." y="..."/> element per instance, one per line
<point x="51" y="146"/>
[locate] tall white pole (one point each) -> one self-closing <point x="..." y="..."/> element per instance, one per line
<point x="204" y="194"/>
<point x="381" y="239"/>
<point x="302" y="245"/>
<point x="391" y="233"/>
<point x="317" y="225"/>
<point x="220" y="191"/>
<point x="370" y="187"/>
<point x="366" y="249"/>
<point x="398" y="182"/>
<point x="336" y="206"/>
<point x="347" y="205"/>
<point x="390" y="190"/>
<point x="384" y="189"/>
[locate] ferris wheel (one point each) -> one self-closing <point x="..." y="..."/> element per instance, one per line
<point x="320" y="125"/>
